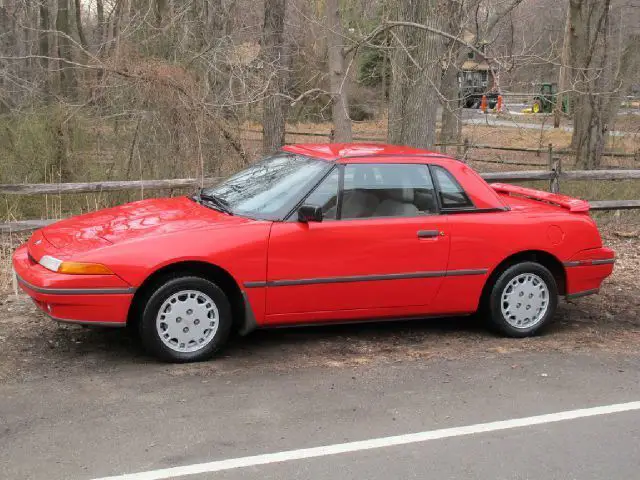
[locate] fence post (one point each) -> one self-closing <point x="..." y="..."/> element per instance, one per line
<point x="332" y="135"/>
<point x="550" y="161"/>
<point x="556" y="169"/>
<point x="465" y="149"/>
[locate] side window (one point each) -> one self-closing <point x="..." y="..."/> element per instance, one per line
<point x="387" y="190"/>
<point x="451" y="193"/>
<point x="325" y="195"/>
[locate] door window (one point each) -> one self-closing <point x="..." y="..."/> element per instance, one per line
<point x="387" y="190"/>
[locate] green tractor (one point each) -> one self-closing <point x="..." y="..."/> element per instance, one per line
<point x="545" y="101"/>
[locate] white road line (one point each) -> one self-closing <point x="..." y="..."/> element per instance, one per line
<point x="382" y="442"/>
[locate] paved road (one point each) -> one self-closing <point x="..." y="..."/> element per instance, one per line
<point x="558" y="451"/>
<point x="143" y="418"/>
<point x="472" y="116"/>
<point x="520" y="122"/>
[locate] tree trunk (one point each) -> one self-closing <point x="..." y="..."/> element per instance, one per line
<point x="100" y="18"/>
<point x="589" y="49"/>
<point x="43" y="45"/>
<point x="628" y="72"/>
<point x="274" y="55"/>
<point x="43" y="36"/>
<point x="160" y="11"/>
<point x="337" y="74"/>
<point x="415" y="67"/>
<point x="67" y="72"/>
<point x="215" y="13"/>
<point x="117" y="16"/>
<point x="562" y="74"/>
<point x="451" y="123"/>
<point x="218" y="78"/>
<point x="83" y="39"/>
<point x="451" y="108"/>
<point x="5" y="47"/>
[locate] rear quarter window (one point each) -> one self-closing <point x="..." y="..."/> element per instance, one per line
<point x="451" y="194"/>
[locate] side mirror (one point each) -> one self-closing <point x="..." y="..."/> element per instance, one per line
<point x="309" y="213"/>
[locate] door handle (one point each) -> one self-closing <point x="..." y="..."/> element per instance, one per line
<point x="429" y="233"/>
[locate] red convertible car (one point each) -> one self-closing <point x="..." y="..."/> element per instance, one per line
<point x="318" y="234"/>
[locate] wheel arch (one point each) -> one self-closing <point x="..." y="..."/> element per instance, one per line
<point x="243" y="318"/>
<point x="546" y="259"/>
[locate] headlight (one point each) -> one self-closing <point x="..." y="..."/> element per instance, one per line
<point x="50" y="263"/>
<point x="73" y="268"/>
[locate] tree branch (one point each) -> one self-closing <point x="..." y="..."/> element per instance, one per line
<point x="387" y="25"/>
<point x="500" y="14"/>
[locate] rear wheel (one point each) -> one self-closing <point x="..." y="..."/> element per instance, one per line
<point x="187" y="319"/>
<point x="522" y="300"/>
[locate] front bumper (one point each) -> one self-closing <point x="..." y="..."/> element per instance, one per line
<point x="83" y="299"/>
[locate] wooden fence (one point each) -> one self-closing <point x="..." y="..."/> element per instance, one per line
<point x="554" y="175"/>
<point x="465" y="146"/>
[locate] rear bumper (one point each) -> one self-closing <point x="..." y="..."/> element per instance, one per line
<point x="584" y="293"/>
<point x="587" y="270"/>
<point x="91" y="304"/>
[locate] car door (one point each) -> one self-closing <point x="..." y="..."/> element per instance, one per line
<point x="381" y="249"/>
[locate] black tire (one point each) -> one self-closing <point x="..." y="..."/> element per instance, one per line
<point x="494" y="301"/>
<point x="150" y="335"/>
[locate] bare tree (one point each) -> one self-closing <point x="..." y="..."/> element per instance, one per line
<point x="337" y="73"/>
<point x="160" y="11"/>
<point x="274" y="57"/>
<point x="68" y="81"/>
<point x="43" y="34"/>
<point x="100" y="19"/>
<point x="415" y="67"/>
<point x="562" y="74"/>
<point x="79" y="27"/>
<point x="115" y="89"/>
<point x="454" y="18"/>
<point x="598" y="80"/>
<point x="479" y="20"/>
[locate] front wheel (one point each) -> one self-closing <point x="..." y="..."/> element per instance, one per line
<point x="523" y="299"/>
<point x="187" y="319"/>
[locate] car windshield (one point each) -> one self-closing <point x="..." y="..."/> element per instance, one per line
<point x="271" y="188"/>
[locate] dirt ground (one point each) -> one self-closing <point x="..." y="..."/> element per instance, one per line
<point x="34" y="346"/>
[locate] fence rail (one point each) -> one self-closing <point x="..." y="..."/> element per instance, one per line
<point x="466" y="145"/>
<point x="99" y="187"/>
<point x="554" y="175"/>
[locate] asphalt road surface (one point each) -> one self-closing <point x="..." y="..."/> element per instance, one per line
<point x="141" y="419"/>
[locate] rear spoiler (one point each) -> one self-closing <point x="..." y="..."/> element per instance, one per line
<point x="570" y="203"/>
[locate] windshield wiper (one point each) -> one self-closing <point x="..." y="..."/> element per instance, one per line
<point x="215" y="202"/>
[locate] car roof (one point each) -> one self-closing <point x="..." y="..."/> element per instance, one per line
<point x="373" y="152"/>
<point x="482" y="195"/>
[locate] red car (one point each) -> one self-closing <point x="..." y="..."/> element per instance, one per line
<point x="318" y="234"/>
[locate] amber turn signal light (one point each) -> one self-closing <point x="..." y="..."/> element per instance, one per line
<point x="78" y="268"/>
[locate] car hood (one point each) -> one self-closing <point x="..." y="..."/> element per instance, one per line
<point x="132" y="221"/>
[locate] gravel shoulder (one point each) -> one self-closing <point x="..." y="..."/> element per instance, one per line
<point x="34" y="346"/>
